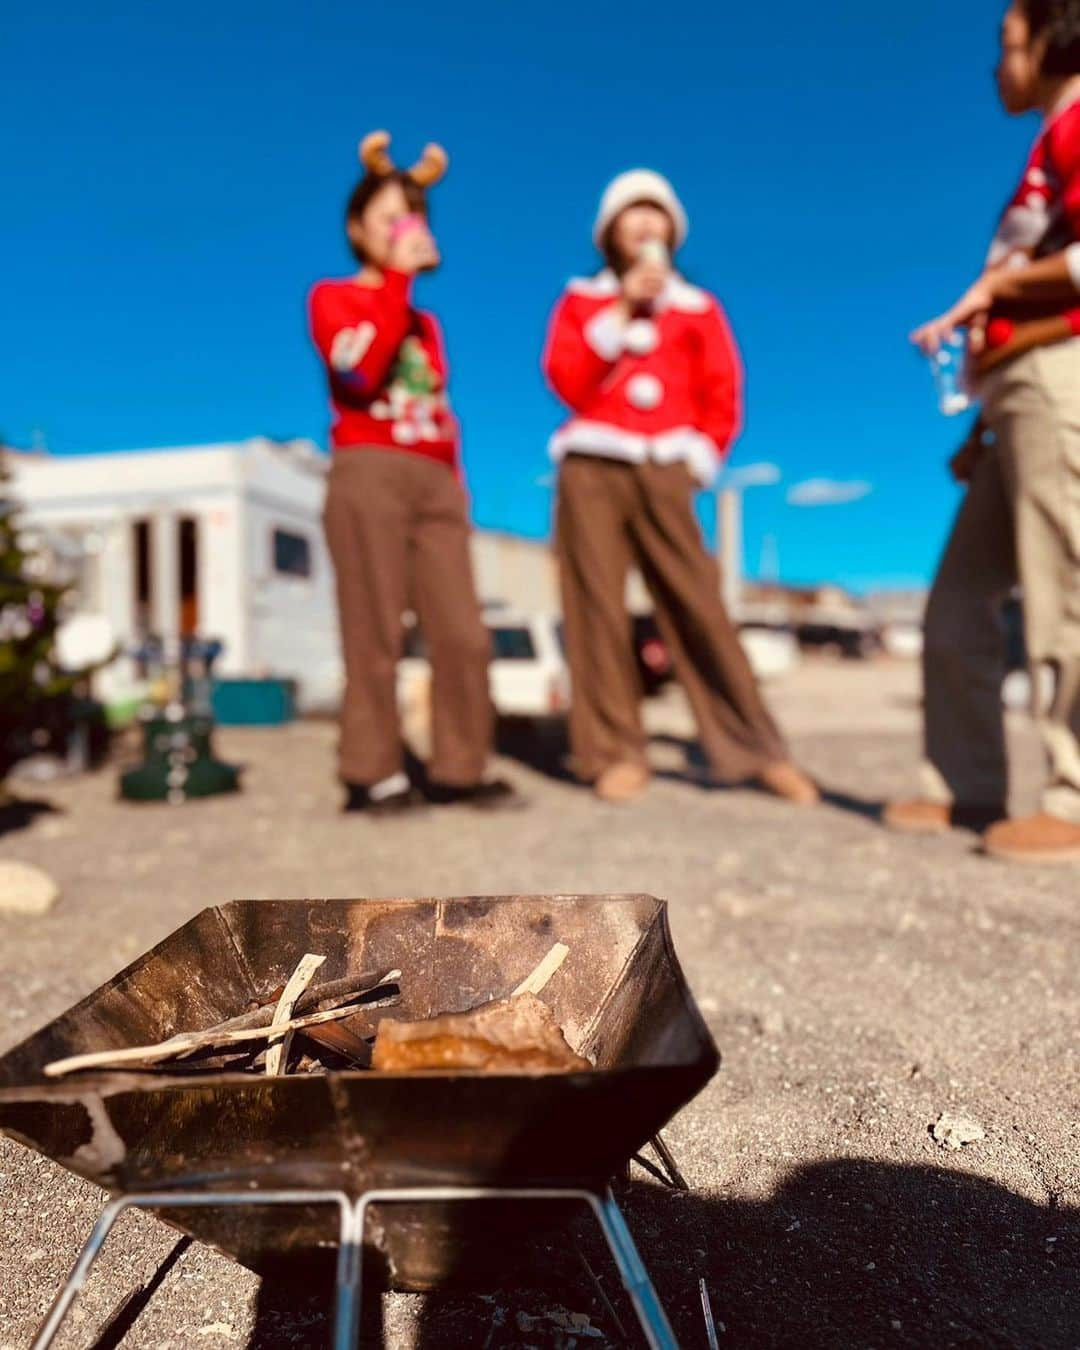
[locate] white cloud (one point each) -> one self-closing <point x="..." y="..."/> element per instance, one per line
<point x="828" y="492"/>
<point x="751" y="475"/>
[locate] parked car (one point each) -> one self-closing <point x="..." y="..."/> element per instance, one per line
<point x="902" y="640"/>
<point x="771" y="650"/>
<point x="653" y="658"/>
<point x="529" y="678"/>
<point x="853" y="644"/>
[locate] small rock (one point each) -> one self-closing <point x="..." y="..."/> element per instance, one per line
<point x="25" y="889"/>
<point x="954" y="1132"/>
<point x="217" y="1329"/>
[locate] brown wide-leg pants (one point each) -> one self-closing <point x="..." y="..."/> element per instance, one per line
<point x="612" y="515"/>
<point x="1019" y="521"/>
<point x="398" y="531"/>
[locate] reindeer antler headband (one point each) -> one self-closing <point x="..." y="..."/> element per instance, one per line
<point x="425" y="173"/>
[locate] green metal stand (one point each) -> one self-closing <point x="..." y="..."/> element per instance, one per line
<point x="179" y="762"/>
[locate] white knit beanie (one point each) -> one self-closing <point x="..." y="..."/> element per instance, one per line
<point x="640" y="185"/>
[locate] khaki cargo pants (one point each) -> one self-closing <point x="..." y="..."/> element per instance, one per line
<point x="1019" y="522"/>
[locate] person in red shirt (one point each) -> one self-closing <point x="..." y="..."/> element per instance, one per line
<point x="396" y="515"/>
<point x="648" y="368"/>
<point x="1020" y="519"/>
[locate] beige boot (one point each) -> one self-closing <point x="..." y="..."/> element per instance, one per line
<point x="920" y="815"/>
<point x="622" y="783"/>
<point x="1035" y="839"/>
<point x="788" y="781"/>
<point x="917" y="816"/>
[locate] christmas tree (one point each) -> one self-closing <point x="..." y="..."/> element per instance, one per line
<point x="32" y="684"/>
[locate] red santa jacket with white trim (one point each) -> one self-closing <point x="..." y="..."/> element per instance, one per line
<point x="387" y="368"/>
<point x="665" y="388"/>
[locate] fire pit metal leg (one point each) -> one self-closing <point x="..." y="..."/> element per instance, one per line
<point x="353" y="1215"/>
<point x="635" y="1276"/>
<point x="348" y="1267"/>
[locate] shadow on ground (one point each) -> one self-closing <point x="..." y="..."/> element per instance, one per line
<point x="847" y="1253"/>
<point x="16" y="813"/>
<point x="546" y="750"/>
<point x="697" y="774"/>
<point x="111" y="1336"/>
<point x="543" y="747"/>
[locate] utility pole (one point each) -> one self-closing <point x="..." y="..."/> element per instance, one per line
<point x="729" y="547"/>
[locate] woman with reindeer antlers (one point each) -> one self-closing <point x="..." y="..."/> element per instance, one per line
<point x="396" y="513"/>
<point x="649" y="370"/>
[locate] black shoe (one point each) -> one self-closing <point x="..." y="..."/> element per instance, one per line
<point x="493" y="795"/>
<point x="977" y="819"/>
<point x="359" y="798"/>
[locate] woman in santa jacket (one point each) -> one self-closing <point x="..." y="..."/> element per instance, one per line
<point x="648" y="368"/>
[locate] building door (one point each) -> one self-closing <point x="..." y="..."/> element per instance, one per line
<point x="143" y="577"/>
<point x="188" y="543"/>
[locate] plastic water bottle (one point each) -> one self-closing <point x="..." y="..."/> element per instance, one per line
<point x="949" y="375"/>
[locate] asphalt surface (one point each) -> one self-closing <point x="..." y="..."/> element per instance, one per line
<point x="859" y="985"/>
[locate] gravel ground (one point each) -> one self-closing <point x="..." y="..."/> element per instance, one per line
<point x="859" y="986"/>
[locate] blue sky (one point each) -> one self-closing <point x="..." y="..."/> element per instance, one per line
<point x="174" y="178"/>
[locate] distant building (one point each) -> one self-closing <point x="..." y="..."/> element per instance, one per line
<point x="825" y="605"/>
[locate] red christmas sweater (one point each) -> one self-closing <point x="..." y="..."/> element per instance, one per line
<point x="665" y="388"/>
<point x="387" y="368"/>
<point x="1043" y="215"/>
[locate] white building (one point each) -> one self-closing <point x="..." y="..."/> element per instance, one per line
<point x="220" y="540"/>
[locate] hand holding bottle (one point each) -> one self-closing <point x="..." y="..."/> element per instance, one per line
<point x="412" y="246"/>
<point x="644" y="282"/>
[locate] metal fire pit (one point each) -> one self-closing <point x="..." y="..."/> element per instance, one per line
<point x="620" y="998"/>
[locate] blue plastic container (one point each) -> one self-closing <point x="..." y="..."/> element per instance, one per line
<point x="254" y="703"/>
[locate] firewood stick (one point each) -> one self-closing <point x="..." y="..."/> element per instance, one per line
<point x="321" y="998"/>
<point x="335" y="993"/>
<point x="276" y="1056"/>
<point x="540" y="977"/>
<point x="194" y="1040"/>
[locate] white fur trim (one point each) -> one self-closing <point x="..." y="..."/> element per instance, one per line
<point x="606" y="334"/>
<point x="603" y="286"/>
<point x="685" y="444"/>
<point x="690" y="446"/>
<point x="640" y="185"/>
<point x="677" y="294"/>
<point x="1072" y="261"/>
<point x="644" y="391"/>
<point x="642" y="337"/>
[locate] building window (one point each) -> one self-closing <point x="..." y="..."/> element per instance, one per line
<point x="292" y="554"/>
